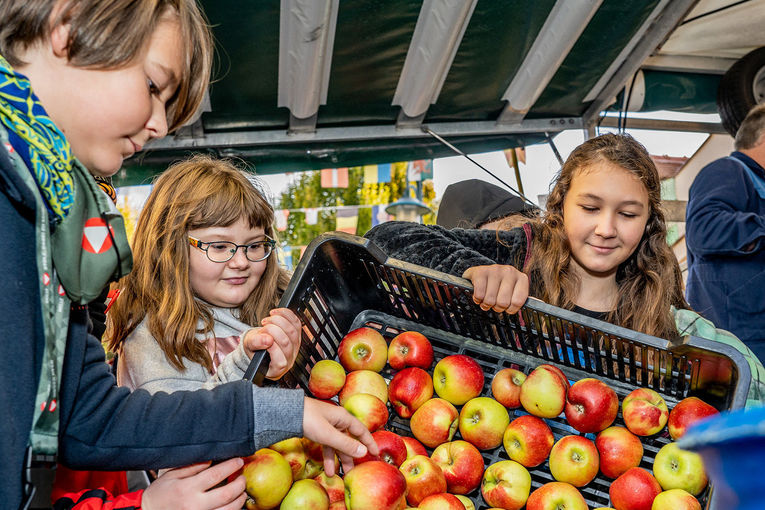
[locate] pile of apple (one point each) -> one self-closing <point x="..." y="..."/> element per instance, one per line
<point x="405" y="474"/>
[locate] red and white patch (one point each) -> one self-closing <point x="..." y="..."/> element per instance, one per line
<point x="46" y="279"/>
<point x="8" y="147"/>
<point x="61" y="290"/>
<point x="95" y="238"/>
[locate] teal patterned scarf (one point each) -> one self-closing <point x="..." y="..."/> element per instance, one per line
<point x="47" y="152"/>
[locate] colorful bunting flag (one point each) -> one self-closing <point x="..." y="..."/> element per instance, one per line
<point x="379" y="215"/>
<point x="334" y="178"/>
<point x="419" y="170"/>
<point x="347" y="220"/>
<point x="370" y="174"/>
<point x="383" y="172"/>
<point x="312" y="216"/>
<point x="280" y="217"/>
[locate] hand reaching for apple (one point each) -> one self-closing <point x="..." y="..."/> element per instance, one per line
<point x="280" y="335"/>
<point x="498" y="287"/>
<point x="339" y="433"/>
<point x="194" y="486"/>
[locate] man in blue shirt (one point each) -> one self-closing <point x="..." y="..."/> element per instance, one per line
<point x="725" y="235"/>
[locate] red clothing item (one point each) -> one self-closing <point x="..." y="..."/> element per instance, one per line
<point x="74" y="490"/>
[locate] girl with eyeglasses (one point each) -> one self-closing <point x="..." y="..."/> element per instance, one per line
<point x="202" y="296"/>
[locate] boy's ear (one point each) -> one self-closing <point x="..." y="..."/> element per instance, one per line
<point x="59" y="40"/>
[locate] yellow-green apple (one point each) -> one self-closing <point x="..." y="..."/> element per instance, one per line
<point x="308" y="494"/>
<point x="423" y="478"/>
<point x="435" y="422"/>
<point x="363" y="349"/>
<point x="375" y="485"/>
<point x="268" y="478"/>
<point x="506" y="484"/>
<point x="556" y="496"/>
<point x="466" y="502"/>
<point x="327" y="379"/>
<point x="391" y="446"/>
<point x="292" y="451"/>
<point x="364" y="381"/>
<point x="506" y="387"/>
<point x="619" y="450"/>
<point x="442" y="501"/>
<point x="458" y="378"/>
<point x="483" y="421"/>
<point x="370" y="410"/>
<point x="334" y="487"/>
<point x="408" y="390"/>
<point x="675" y="499"/>
<point x="410" y="349"/>
<point x="676" y="468"/>
<point x="413" y="447"/>
<point x="528" y="440"/>
<point x="462" y="465"/>
<point x="543" y="393"/>
<point x="314" y="463"/>
<point x="574" y="460"/>
<point x="687" y="412"/>
<point x="635" y="489"/>
<point x="591" y="405"/>
<point x="644" y="411"/>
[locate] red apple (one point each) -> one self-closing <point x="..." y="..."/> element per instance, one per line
<point x="423" y="478"/>
<point x="591" y="405"/>
<point x="410" y="349"/>
<point x="687" y="412"/>
<point x="675" y="468"/>
<point x="619" y="450"/>
<point x="375" y="485"/>
<point x="528" y="440"/>
<point x="506" y="484"/>
<point x="334" y="487"/>
<point x="543" y="393"/>
<point x="314" y="459"/>
<point x="364" y="381"/>
<point x="483" y="421"/>
<point x="391" y="446"/>
<point x="292" y="451"/>
<point x="306" y="494"/>
<point x="370" y="410"/>
<point x="435" y="422"/>
<point x="442" y="501"/>
<point x="556" y="496"/>
<point x="675" y="499"/>
<point x="326" y="379"/>
<point x="644" y="411"/>
<point x="413" y="447"/>
<point x="574" y="460"/>
<point x="634" y="490"/>
<point x="268" y="478"/>
<point x="363" y="349"/>
<point x="506" y="387"/>
<point x="458" y="378"/>
<point x="409" y="389"/>
<point x="462" y="465"/>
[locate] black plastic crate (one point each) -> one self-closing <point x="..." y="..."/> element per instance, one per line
<point x="344" y="282"/>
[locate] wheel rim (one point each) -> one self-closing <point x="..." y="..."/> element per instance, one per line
<point x="758" y="86"/>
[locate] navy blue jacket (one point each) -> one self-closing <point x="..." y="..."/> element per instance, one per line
<point x="102" y="426"/>
<point x="725" y="235"/>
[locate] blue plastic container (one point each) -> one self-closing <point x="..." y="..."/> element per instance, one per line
<point x="733" y="448"/>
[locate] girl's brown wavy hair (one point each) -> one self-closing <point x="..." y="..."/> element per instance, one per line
<point x="196" y="193"/>
<point x="649" y="281"/>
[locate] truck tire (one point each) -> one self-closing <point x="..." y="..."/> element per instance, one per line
<point x="741" y="87"/>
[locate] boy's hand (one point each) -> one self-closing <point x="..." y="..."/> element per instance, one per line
<point x="280" y="335"/>
<point x="335" y="429"/>
<point x="191" y="488"/>
<point x="498" y="287"/>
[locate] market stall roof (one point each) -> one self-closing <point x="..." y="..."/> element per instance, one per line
<point x="306" y="84"/>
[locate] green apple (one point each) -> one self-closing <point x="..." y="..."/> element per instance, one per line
<point x="466" y="502"/>
<point x="556" y="496"/>
<point x="306" y="494"/>
<point x="268" y="478"/>
<point x="543" y="393"/>
<point x="326" y="379"/>
<point x="483" y="421"/>
<point x="676" y="468"/>
<point x="364" y="381"/>
<point x="292" y="451"/>
<point x="574" y="460"/>
<point x="506" y="484"/>
<point x="675" y="499"/>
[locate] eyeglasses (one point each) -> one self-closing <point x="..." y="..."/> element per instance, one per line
<point x="223" y="251"/>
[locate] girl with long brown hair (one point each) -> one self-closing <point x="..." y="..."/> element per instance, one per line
<point x="204" y="272"/>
